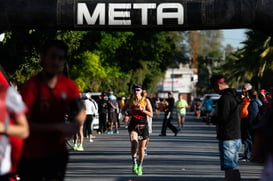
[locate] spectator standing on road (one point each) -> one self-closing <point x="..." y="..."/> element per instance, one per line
<point x="181" y="105"/>
<point x="260" y="136"/>
<point x="208" y="103"/>
<point x="255" y="112"/>
<point x="227" y="120"/>
<point x="262" y="96"/>
<point x="198" y="109"/>
<point x="103" y="113"/>
<point x="112" y="113"/>
<point x="157" y="103"/>
<point x="91" y="109"/>
<point x="254" y="109"/>
<point x="168" y="116"/>
<point x="245" y="126"/>
<point x="49" y="96"/>
<point x="140" y="108"/>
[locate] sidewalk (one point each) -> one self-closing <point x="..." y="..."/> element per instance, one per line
<point x="190" y="156"/>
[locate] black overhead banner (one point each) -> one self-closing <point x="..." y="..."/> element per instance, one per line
<point x="136" y="14"/>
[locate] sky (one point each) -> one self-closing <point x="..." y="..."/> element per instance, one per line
<point x="234" y="37"/>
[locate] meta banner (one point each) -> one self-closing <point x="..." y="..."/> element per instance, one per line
<point x="136" y="14"/>
<point x="129" y="14"/>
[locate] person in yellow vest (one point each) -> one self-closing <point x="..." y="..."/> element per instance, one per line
<point x="245" y="127"/>
<point x="140" y="107"/>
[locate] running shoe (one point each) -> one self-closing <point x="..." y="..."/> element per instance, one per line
<point x="117" y="131"/>
<point x="75" y="147"/>
<point x="139" y="171"/>
<point x="91" y="140"/>
<point x="109" y="132"/>
<point x="135" y="169"/>
<point x="80" y="148"/>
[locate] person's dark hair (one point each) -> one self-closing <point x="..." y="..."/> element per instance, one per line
<point x="216" y="79"/>
<point x="253" y="93"/>
<point x="136" y="86"/>
<point x="53" y="43"/>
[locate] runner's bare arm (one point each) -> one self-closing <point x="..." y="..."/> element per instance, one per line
<point x="125" y="107"/>
<point x="149" y="110"/>
<point x="20" y="129"/>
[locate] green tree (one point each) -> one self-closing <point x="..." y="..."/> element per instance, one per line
<point x="99" y="60"/>
<point x="210" y="55"/>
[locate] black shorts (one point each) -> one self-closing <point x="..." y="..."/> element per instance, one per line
<point x="38" y="169"/>
<point x="140" y="126"/>
<point x="112" y="117"/>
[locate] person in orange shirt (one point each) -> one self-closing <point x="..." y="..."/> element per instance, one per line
<point x="245" y="127"/>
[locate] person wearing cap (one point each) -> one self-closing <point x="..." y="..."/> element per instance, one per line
<point x="262" y="96"/>
<point x="112" y="113"/>
<point x="168" y="116"/>
<point x="227" y="120"/>
<point x="140" y="107"/>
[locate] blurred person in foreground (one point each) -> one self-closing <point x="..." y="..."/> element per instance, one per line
<point x="140" y="107"/>
<point x="227" y="120"/>
<point x="49" y="96"/>
<point x="13" y="125"/>
<point x="263" y="151"/>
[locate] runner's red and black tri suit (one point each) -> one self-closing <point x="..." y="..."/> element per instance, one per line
<point x="138" y="122"/>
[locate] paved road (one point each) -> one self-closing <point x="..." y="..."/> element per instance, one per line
<point x="190" y="156"/>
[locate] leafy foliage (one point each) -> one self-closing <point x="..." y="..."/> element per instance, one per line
<point x="98" y="60"/>
<point x="252" y="63"/>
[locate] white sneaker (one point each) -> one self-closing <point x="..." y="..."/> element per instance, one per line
<point x="91" y="140"/>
